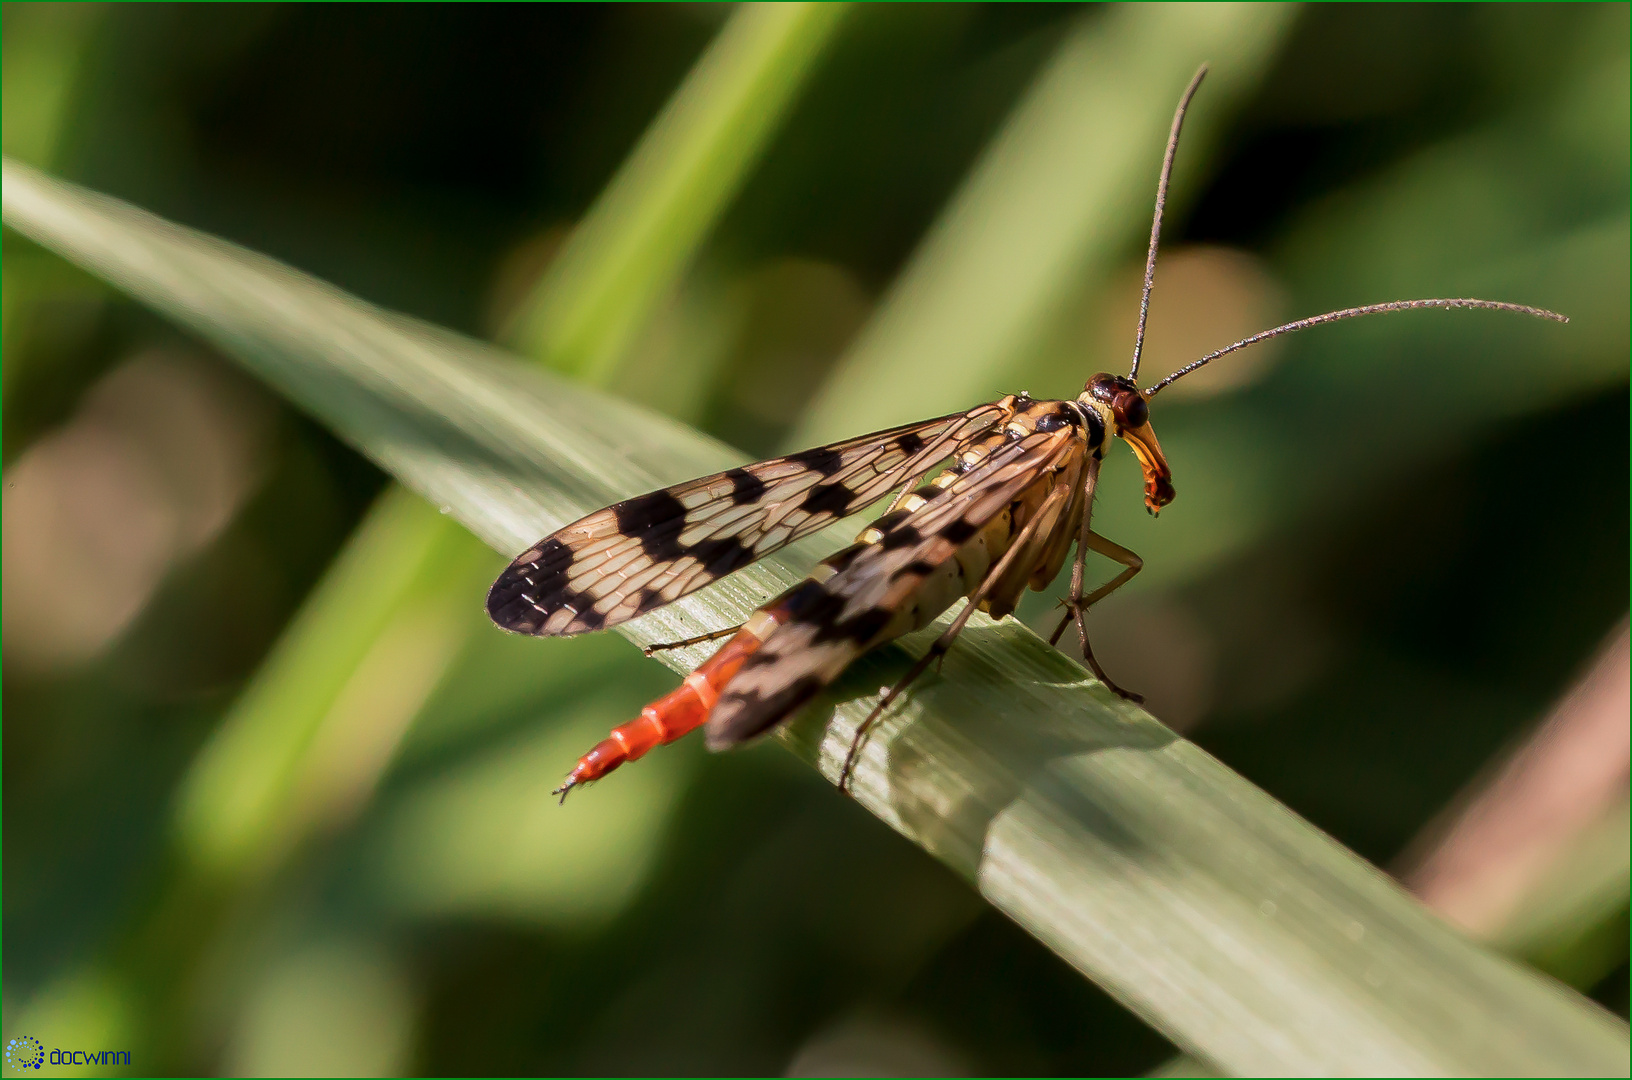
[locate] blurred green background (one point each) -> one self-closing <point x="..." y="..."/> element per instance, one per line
<point x="1395" y="546"/>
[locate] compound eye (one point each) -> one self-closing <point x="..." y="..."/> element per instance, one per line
<point x="1131" y="410"/>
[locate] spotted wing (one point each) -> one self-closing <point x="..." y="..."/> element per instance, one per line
<point x="836" y="621"/>
<point x="651" y="550"/>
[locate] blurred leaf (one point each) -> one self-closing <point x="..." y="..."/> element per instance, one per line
<point x="44" y="48"/>
<point x="1574" y="926"/>
<point x="1530" y="209"/>
<point x="91" y="1005"/>
<point x="333" y="1008"/>
<point x="327" y="708"/>
<point x="484" y="836"/>
<point x="1217" y="915"/>
<point x="303" y="748"/>
<point x="1532" y="856"/>
<point x="646" y="225"/>
<point x="392" y="604"/>
<point x="1516" y="211"/>
<point x="1054" y="202"/>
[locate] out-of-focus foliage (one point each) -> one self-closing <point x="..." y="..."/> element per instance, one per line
<point x="1394" y="543"/>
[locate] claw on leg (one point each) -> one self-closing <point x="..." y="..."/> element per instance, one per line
<point x="887" y="695"/>
<point x="1075" y="614"/>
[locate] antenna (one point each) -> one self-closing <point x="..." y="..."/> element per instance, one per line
<point x="1161" y="204"/>
<point x="1351" y="313"/>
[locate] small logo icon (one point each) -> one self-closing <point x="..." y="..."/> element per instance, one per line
<point x="24" y="1052"/>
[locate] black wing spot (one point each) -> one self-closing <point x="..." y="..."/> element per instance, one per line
<point x="808" y="602"/>
<point x="891" y="520"/>
<point x="745" y="487"/>
<point x="656" y="520"/>
<point x="515" y="602"/>
<point x="590" y="619"/>
<point x="860" y="629"/>
<point x="650" y="599"/>
<point x="761" y="712"/>
<point x="960" y="530"/>
<point x="910" y="443"/>
<point x="901" y="537"/>
<point x="822" y="459"/>
<point x="722" y="555"/>
<point x="827" y="499"/>
<point x="507" y="614"/>
<point x="844" y="556"/>
<point x="918" y="568"/>
<point x="552" y="557"/>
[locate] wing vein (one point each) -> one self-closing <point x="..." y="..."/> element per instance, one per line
<point x="653" y="549"/>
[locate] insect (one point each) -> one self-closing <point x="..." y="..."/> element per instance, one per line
<point x="1011" y="494"/>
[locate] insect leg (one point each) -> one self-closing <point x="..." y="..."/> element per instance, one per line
<point x="1090" y="480"/>
<point x="713" y="635"/>
<point x="1128" y="559"/>
<point x="1134" y="564"/>
<point x="1076" y="604"/>
<point x="1111" y="549"/>
<point x="1099" y="672"/>
<point x="1017" y="547"/>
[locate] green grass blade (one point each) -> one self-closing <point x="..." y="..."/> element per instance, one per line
<point x="1060" y="198"/>
<point x="241" y="807"/>
<point x="40" y="71"/>
<point x="1244" y="934"/>
<point x="306" y="740"/>
<point x="647" y="224"/>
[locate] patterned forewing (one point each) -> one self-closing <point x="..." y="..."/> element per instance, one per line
<point x="843" y="620"/>
<point x="651" y="550"/>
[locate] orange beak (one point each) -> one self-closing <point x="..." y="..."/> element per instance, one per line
<point x="1158" y="477"/>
